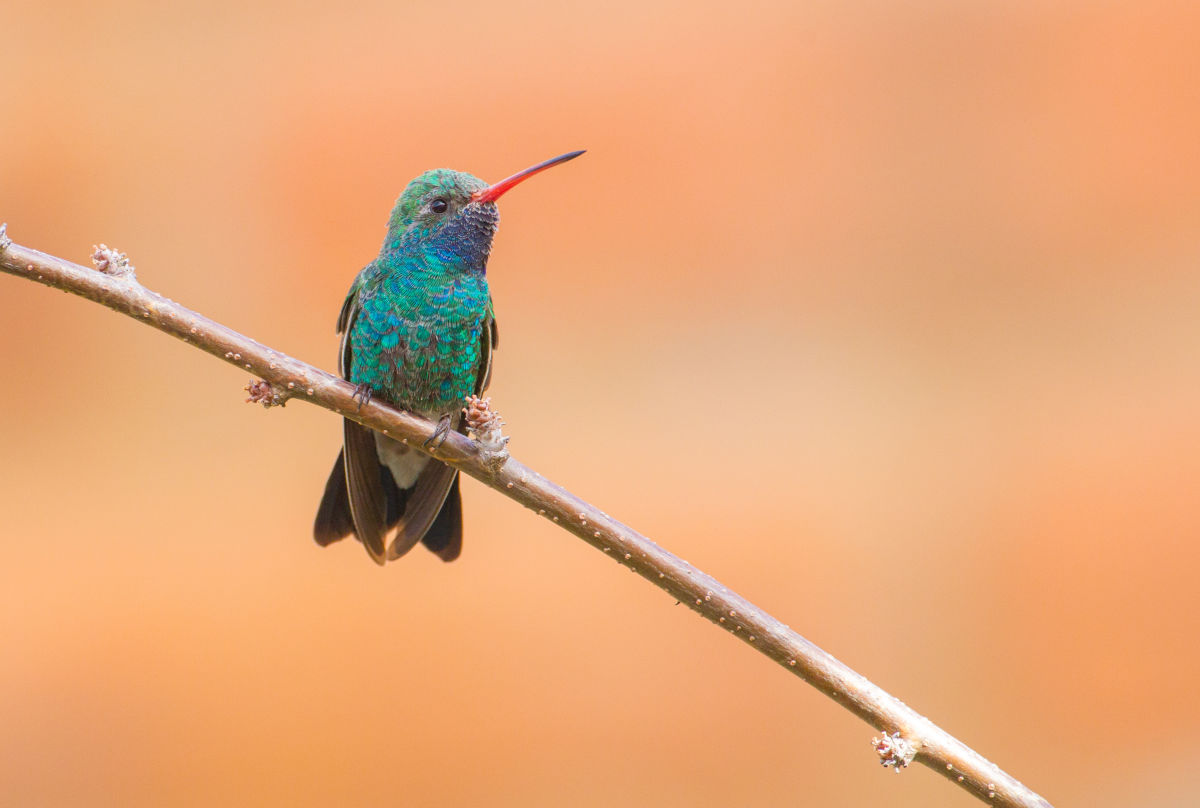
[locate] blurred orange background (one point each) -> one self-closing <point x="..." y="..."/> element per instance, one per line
<point x="886" y="314"/>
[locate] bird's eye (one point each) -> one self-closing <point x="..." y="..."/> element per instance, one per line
<point x="438" y="206"/>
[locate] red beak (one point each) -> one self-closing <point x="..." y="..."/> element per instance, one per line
<point x="494" y="192"/>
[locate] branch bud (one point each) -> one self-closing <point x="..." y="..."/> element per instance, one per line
<point x="261" y="392"/>
<point x="483" y="425"/>
<point x="894" y="751"/>
<point x="112" y="262"/>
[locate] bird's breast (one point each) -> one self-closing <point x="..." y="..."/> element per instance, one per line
<point x="420" y="348"/>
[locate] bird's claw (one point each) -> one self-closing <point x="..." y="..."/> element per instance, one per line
<point x="362" y="394"/>
<point x="435" y="441"/>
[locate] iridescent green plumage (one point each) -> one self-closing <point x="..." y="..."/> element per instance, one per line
<point x="422" y="305"/>
<point x="418" y="332"/>
<point x="417" y="338"/>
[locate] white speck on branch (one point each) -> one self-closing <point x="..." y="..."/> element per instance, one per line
<point x="931" y="744"/>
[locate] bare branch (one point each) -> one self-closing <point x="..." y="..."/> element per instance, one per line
<point x="908" y="735"/>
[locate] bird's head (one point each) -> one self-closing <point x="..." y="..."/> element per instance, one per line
<point x="454" y="204"/>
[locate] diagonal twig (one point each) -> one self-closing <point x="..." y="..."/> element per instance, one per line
<point x="907" y="735"/>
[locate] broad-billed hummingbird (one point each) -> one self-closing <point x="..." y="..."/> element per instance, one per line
<point x="418" y="331"/>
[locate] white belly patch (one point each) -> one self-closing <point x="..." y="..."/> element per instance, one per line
<point x="404" y="463"/>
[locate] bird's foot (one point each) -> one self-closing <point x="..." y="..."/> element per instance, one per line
<point x="435" y="441"/>
<point x="362" y="394"/>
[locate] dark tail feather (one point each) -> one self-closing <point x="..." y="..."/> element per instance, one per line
<point x="424" y="503"/>
<point x="444" y="537"/>
<point x="333" y="517"/>
<point x="364" y="489"/>
<point x="334" y="521"/>
<point x="397" y="497"/>
<point x="430" y="512"/>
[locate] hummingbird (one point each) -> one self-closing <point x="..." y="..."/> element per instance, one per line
<point x="418" y="331"/>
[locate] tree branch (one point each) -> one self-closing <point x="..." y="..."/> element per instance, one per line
<point x="907" y="735"/>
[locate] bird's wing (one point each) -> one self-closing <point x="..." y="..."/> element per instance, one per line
<point x="364" y="484"/>
<point x="345" y="319"/>
<point x="489" y="338"/>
